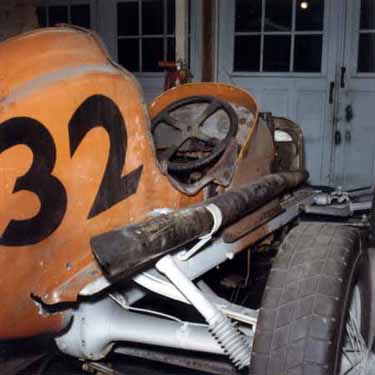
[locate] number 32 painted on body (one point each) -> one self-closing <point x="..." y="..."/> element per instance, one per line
<point x="96" y="111"/>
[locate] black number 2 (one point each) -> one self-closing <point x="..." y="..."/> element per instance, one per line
<point x="96" y="111"/>
<point x="101" y="111"/>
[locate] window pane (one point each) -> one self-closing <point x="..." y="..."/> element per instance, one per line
<point x="368" y="14"/>
<point x="152" y="53"/>
<point x="171" y="49"/>
<point x="152" y="17"/>
<point x="128" y="54"/>
<point x="247" y="53"/>
<point x="248" y="15"/>
<point x="309" y="15"/>
<point x="58" y="14"/>
<point x="171" y="14"/>
<point x="278" y="15"/>
<point x="308" y="53"/>
<point x="366" y="55"/>
<point x="80" y="15"/>
<point x="42" y="16"/>
<point x="276" y="55"/>
<point x="127" y="18"/>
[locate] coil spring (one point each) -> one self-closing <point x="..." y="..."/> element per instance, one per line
<point x="231" y="340"/>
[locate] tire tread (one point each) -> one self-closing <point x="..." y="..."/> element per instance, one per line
<point x="300" y="309"/>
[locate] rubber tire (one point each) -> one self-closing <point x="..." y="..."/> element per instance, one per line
<point x="305" y="302"/>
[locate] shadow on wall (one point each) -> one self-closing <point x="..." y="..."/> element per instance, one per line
<point x="16" y="17"/>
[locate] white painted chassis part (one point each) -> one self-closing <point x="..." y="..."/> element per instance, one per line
<point x="218" y="220"/>
<point x="168" y="267"/>
<point x="221" y="327"/>
<point x="159" y="284"/>
<point x="96" y="326"/>
<point x="208" y="258"/>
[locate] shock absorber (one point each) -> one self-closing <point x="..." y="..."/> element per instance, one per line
<point x="221" y="327"/>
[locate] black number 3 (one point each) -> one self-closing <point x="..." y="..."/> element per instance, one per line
<point x="96" y="111"/>
<point x="50" y="191"/>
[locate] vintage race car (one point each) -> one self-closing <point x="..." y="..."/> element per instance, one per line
<point x="108" y="204"/>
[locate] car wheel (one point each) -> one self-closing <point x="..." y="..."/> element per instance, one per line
<point x="317" y="311"/>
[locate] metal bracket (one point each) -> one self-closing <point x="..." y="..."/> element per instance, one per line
<point x="218" y="220"/>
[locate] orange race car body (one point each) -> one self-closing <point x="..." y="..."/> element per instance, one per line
<point x="76" y="160"/>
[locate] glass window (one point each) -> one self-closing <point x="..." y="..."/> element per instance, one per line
<point x="278" y="15"/>
<point x="171" y="49"/>
<point x="268" y="31"/>
<point x="308" y="53"/>
<point x="58" y="14"/>
<point x="171" y="16"/>
<point x="152" y="17"/>
<point x="276" y="55"/>
<point x="128" y="53"/>
<point x="367" y="15"/>
<point x="127" y="18"/>
<point x="77" y="14"/>
<point x="42" y="16"/>
<point x="248" y="15"/>
<point x="366" y="46"/>
<point x="80" y="15"/>
<point x="149" y="26"/>
<point x="309" y="15"/>
<point x="152" y="53"/>
<point x="366" y="53"/>
<point x="247" y="53"/>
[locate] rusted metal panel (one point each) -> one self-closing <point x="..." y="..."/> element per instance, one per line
<point x="289" y="155"/>
<point x="76" y="160"/>
<point x="252" y="221"/>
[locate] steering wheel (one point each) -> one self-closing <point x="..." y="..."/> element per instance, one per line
<point x="192" y="131"/>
